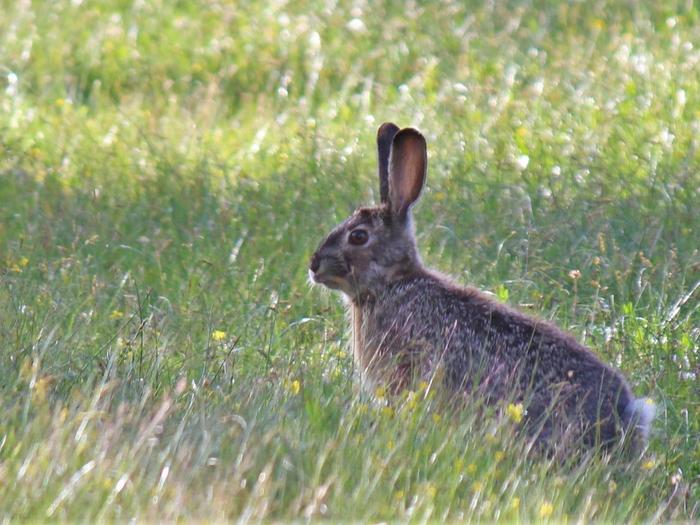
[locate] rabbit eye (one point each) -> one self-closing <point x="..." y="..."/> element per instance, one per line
<point x="358" y="237"/>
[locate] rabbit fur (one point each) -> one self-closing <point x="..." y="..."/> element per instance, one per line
<point x="410" y="323"/>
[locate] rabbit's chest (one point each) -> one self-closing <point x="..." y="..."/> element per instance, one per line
<point x="383" y="351"/>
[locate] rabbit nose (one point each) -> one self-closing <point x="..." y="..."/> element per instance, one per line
<point x="315" y="263"/>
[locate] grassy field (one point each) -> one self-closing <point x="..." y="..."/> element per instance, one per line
<point x="167" y="168"/>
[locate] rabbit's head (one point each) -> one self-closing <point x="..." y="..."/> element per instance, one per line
<point x="375" y="246"/>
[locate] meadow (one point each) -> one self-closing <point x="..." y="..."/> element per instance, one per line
<point x="167" y="169"/>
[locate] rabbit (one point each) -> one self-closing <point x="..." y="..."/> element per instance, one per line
<point x="411" y="323"/>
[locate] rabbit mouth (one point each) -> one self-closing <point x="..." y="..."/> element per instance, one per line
<point x="329" y="273"/>
<point x="329" y="281"/>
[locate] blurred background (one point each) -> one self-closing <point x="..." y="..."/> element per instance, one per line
<point x="167" y="168"/>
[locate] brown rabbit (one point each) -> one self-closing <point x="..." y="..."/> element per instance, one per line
<point x="409" y="322"/>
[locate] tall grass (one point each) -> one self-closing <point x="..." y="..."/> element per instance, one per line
<point x="166" y="169"/>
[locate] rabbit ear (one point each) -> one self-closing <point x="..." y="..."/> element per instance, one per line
<point x="408" y="163"/>
<point x="385" y="134"/>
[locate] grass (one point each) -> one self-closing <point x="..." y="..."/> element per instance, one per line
<point x="167" y="168"/>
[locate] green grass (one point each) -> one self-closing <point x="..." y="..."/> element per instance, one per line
<point x="167" y="168"/>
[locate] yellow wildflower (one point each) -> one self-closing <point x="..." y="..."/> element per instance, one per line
<point x="515" y="411"/>
<point x="115" y="315"/>
<point x="648" y="464"/>
<point x="387" y="412"/>
<point x="515" y="503"/>
<point x="380" y="392"/>
<point x="546" y="510"/>
<point x="471" y="469"/>
<point x="295" y="387"/>
<point x="218" y="335"/>
<point x="437" y="418"/>
<point x="41" y="388"/>
<point x="411" y="402"/>
<point x="23" y="261"/>
<point x="499" y="455"/>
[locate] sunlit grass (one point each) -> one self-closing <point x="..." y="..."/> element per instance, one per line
<point x="166" y="169"/>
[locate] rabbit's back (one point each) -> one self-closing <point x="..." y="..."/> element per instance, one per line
<point x="423" y="325"/>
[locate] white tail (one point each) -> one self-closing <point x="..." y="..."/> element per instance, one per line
<point x="639" y="414"/>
